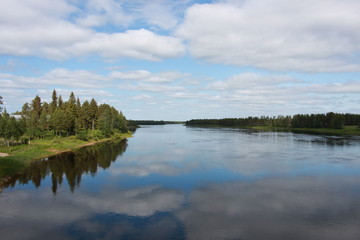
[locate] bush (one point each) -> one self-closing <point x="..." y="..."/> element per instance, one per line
<point x="83" y="135"/>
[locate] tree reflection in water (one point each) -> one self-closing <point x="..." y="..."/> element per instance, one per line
<point x="71" y="165"/>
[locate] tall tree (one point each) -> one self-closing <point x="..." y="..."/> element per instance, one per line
<point x="72" y="99"/>
<point x="36" y="105"/>
<point x="60" y="102"/>
<point x="54" y="102"/>
<point x="93" y="112"/>
<point x="1" y="103"/>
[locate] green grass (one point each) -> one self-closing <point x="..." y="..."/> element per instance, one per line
<point x="21" y="156"/>
<point x="347" y="131"/>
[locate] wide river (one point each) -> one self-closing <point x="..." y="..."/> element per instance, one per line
<point x="177" y="182"/>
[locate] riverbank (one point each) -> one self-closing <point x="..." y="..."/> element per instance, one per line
<point x="347" y="131"/>
<point x="19" y="157"/>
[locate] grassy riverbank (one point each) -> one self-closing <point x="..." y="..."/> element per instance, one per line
<point x="21" y="156"/>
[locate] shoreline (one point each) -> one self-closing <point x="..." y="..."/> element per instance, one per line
<point x="347" y="131"/>
<point x="20" y="157"/>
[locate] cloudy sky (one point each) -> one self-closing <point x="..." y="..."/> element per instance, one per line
<point x="183" y="59"/>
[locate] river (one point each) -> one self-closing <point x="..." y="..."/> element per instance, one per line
<point x="177" y="182"/>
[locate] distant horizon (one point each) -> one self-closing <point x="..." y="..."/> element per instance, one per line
<point x="184" y="59"/>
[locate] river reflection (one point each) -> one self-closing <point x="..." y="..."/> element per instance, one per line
<point x="174" y="182"/>
<point x="70" y="165"/>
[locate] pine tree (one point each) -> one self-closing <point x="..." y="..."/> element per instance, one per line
<point x="93" y="113"/>
<point x="36" y="105"/>
<point x="1" y="103"/>
<point x="54" y="102"/>
<point x="68" y="122"/>
<point x="60" y="102"/>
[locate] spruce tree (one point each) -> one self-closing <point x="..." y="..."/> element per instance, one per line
<point x="36" y="105"/>
<point x="1" y="103"/>
<point x="93" y="113"/>
<point x="54" y="102"/>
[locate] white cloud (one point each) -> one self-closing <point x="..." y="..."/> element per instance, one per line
<point x="308" y="36"/>
<point x="150" y="87"/>
<point x="142" y="97"/>
<point x="144" y="75"/>
<point x="43" y="28"/>
<point x="249" y="80"/>
<point x="56" y="77"/>
<point x="139" y="44"/>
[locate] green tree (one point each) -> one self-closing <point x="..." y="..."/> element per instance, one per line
<point x="60" y="102"/>
<point x="25" y="110"/>
<point x="68" y="122"/>
<point x="56" y="121"/>
<point x="36" y="105"/>
<point x="93" y="113"/>
<point x="54" y="102"/>
<point x="1" y="103"/>
<point x="105" y="122"/>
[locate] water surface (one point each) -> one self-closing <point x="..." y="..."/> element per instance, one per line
<point x="177" y="182"/>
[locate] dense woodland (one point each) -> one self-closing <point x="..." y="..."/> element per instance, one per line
<point x="328" y="120"/>
<point x="39" y="119"/>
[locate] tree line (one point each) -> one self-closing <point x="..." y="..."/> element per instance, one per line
<point x="39" y="119"/>
<point x="146" y="122"/>
<point x="328" y="120"/>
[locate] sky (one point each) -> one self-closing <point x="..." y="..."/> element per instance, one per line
<point x="184" y="59"/>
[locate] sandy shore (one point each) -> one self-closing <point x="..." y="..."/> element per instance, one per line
<point x="3" y="154"/>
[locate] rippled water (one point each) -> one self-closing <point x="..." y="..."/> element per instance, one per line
<point x="176" y="182"/>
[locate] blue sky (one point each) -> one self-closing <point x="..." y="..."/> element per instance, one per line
<point x="178" y="60"/>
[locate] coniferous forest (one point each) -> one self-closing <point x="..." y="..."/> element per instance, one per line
<point x="39" y="119"/>
<point x="328" y="120"/>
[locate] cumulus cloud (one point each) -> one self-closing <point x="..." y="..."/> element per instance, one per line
<point x="140" y="44"/>
<point x="249" y="80"/>
<point x="56" y="77"/>
<point x="40" y="28"/>
<point x="144" y="75"/>
<point x="282" y="93"/>
<point x="276" y="34"/>
<point x="150" y="87"/>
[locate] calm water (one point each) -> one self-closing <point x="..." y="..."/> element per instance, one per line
<point x="174" y="182"/>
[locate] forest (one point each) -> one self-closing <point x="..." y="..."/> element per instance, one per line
<point x="39" y="119"/>
<point x="328" y="120"/>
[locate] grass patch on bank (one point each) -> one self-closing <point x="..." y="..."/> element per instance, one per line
<point x="347" y="131"/>
<point x="22" y="155"/>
